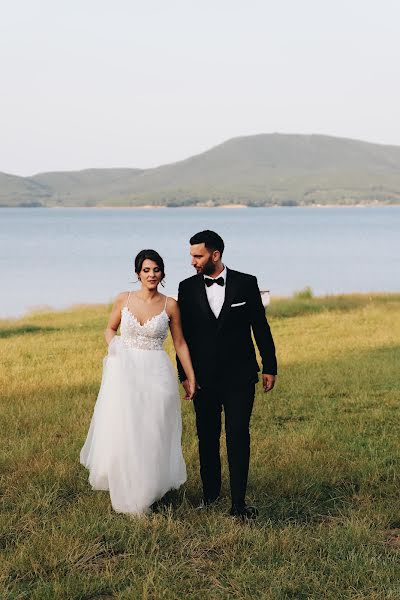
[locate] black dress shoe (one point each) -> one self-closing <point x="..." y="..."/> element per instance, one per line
<point x="244" y="512"/>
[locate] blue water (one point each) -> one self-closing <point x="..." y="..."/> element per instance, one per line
<point x="59" y="257"/>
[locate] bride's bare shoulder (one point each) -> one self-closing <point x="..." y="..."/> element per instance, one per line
<point x="121" y="298"/>
<point x="171" y="305"/>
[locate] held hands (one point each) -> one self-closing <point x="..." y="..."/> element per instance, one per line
<point x="190" y="388"/>
<point x="268" y="382"/>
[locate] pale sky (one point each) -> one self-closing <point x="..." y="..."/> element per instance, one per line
<point x="123" y="83"/>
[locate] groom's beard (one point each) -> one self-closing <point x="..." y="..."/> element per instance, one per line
<point x="209" y="268"/>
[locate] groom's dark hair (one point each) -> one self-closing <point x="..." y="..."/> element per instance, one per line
<point x="210" y="239"/>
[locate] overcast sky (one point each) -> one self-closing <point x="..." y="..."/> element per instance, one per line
<point x="123" y="83"/>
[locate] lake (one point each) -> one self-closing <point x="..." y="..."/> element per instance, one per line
<point x="59" y="257"/>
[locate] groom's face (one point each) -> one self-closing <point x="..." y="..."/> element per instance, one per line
<point x="203" y="260"/>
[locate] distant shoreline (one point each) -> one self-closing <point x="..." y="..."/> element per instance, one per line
<point x="239" y="206"/>
<point x="223" y="206"/>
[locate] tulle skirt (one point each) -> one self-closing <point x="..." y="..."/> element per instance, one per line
<point x="133" y="447"/>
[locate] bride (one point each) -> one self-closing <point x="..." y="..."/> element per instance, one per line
<point x="133" y="447"/>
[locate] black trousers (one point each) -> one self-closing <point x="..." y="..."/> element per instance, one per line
<point x="237" y="402"/>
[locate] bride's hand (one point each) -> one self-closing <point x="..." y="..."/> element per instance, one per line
<point x="190" y="388"/>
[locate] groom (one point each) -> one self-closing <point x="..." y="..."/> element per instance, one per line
<point x="219" y="308"/>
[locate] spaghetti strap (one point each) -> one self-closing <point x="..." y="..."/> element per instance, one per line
<point x="165" y="305"/>
<point x="127" y="300"/>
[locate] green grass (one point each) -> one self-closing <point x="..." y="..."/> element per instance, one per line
<point x="303" y="303"/>
<point x="324" y="470"/>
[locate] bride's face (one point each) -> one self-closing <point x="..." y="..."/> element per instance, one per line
<point x="150" y="275"/>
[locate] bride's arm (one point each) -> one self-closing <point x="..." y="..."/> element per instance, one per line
<point x="115" y="317"/>
<point x="180" y="345"/>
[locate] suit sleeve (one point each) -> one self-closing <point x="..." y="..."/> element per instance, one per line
<point x="261" y="330"/>
<point x="181" y="372"/>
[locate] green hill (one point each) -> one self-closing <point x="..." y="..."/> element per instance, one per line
<point x="266" y="169"/>
<point x="22" y="191"/>
<point x="85" y="188"/>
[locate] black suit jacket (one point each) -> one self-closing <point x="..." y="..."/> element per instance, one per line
<point x="224" y="346"/>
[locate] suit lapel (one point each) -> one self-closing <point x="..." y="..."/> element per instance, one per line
<point x="230" y="291"/>
<point x="201" y="295"/>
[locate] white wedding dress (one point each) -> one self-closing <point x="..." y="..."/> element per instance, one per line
<point x="133" y="447"/>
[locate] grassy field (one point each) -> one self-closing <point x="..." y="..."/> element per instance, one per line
<point x="324" y="471"/>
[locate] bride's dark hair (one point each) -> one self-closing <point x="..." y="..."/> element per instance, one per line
<point x="150" y="255"/>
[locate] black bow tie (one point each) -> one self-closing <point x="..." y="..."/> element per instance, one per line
<point x="209" y="281"/>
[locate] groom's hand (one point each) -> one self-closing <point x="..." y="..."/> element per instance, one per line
<point x="268" y="382"/>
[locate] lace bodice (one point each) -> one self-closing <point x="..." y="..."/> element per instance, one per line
<point x="149" y="336"/>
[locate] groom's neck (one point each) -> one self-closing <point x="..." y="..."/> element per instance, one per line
<point x="218" y="270"/>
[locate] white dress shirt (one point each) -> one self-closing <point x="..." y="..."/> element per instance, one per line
<point x="216" y="293"/>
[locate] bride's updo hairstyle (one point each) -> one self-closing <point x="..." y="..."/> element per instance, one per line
<point x="150" y="255"/>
